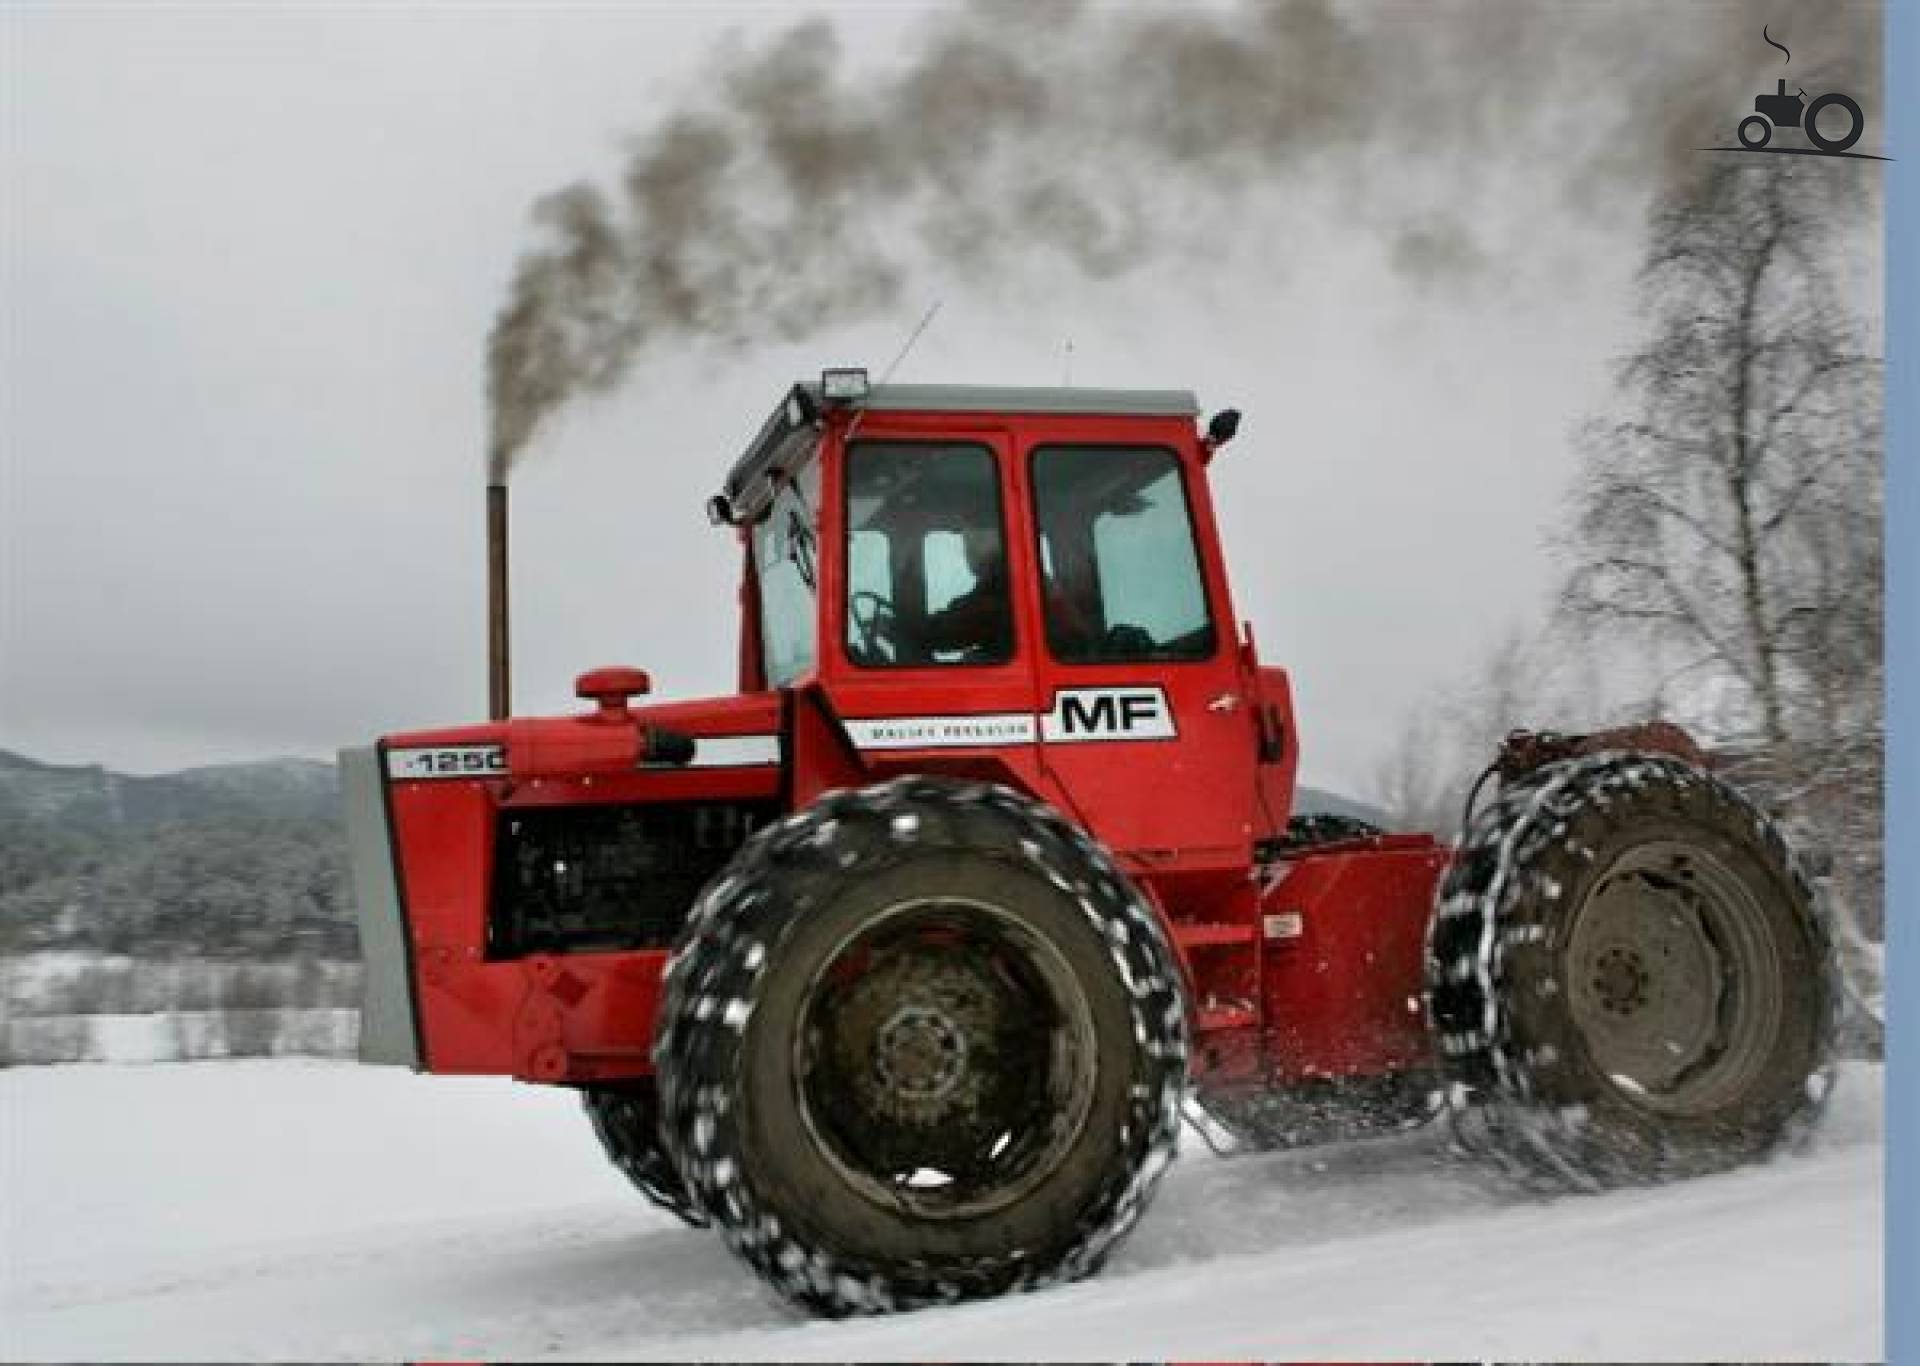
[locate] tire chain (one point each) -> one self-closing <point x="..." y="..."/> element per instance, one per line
<point x="1493" y="1099"/>
<point x="628" y="1129"/>
<point x="733" y="934"/>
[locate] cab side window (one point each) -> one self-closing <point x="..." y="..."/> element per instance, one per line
<point x="926" y="556"/>
<point x="1119" y="569"/>
<point x="785" y="558"/>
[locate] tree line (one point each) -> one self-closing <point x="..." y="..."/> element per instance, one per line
<point x="261" y="887"/>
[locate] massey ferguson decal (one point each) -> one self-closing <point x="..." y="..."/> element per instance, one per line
<point x="942" y="732"/>
<point x="1078" y="715"/>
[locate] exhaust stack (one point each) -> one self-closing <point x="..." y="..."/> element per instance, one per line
<point x="499" y="676"/>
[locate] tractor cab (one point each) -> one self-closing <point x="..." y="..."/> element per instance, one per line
<point x="1021" y="584"/>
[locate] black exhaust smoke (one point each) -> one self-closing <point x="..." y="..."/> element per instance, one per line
<point x="793" y="192"/>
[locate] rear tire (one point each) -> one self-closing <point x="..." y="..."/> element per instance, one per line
<point x="1629" y="978"/>
<point x="920" y="1043"/>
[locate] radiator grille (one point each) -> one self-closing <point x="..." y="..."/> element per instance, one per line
<point x="570" y="879"/>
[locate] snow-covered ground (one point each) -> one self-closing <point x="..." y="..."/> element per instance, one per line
<point x="314" y="1210"/>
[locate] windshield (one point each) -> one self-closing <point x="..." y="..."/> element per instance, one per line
<point x="786" y="561"/>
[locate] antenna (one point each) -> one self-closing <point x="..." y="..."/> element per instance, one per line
<point x="894" y="364"/>
<point x="912" y="338"/>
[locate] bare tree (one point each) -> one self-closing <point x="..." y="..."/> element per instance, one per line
<point x="1415" y="779"/>
<point x="1732" y="508"/>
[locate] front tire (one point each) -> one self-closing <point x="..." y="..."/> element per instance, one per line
<point x="1629" y="978"/>
<point x="626" y="1120"/>
<point x="920" y="1043"/>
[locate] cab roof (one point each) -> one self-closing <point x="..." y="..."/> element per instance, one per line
<point x="788" y="434"/>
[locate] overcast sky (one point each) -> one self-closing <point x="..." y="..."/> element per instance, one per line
<point x="250" y="260"/>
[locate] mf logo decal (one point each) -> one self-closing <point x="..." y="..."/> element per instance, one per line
<point x="447" y="761"/>
<point x="1108" y="714"/>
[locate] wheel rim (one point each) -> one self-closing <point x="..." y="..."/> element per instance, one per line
<point x="1675" y="982"/>
<point x="1754" y="131"/>
<point x="944" y="1060"/>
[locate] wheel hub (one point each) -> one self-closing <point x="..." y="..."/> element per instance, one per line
<point x="921" y="1053"/>
<point x="942" y="1060"/>
<point x="1669" y="981"/>
<point x="1620" y="981"/>
<point x="914" y="1040"/>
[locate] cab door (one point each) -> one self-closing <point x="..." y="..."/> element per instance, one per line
<point x="927" y="661"/>
<point x="1144" y="721"/>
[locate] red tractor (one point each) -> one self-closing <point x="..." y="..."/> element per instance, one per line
<point x="901" y="965"/>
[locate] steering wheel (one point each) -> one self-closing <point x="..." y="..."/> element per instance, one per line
<point x="871" y="616"/>
<point x="1127" y="641"/>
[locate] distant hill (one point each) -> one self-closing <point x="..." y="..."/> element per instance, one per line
<point x="238" y="860"/>
<point x="98" y="799"/>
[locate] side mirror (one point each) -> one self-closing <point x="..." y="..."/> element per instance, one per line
<point x="1222" y="427"/>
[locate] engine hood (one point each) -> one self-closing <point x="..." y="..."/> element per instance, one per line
<point x="737" y="731"/>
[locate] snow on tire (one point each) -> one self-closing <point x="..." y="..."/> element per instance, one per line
<point x="1629" y="978"/>
<point x="919" y="1043"/>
